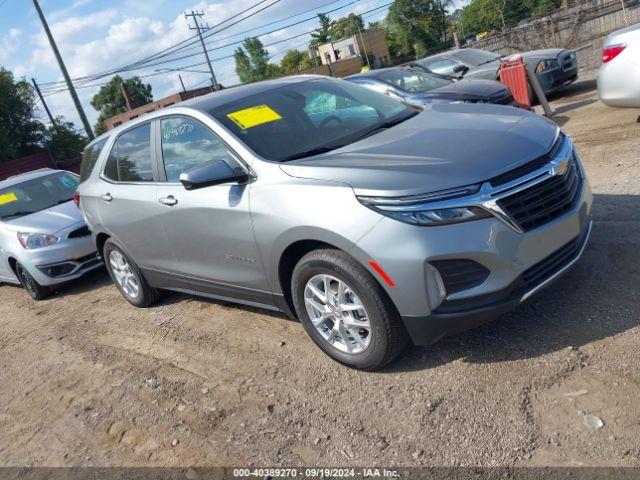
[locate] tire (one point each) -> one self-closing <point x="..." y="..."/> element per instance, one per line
<point x="33" y="288"/>
<point x="145" y="295"/>
<point x="377" y="343"/>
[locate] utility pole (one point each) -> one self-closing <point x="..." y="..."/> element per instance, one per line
<point x="65" y="74"/>
<point x="182" y="83"/>
<point x="127" y="98"/>
<point x="364" y="48"/>
<point x="44" y="104"/>
<point x="195" y="15"/>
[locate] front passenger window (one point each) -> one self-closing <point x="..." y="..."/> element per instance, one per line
<point x="187" y="143"/>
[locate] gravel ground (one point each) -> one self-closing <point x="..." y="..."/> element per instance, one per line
<point x="89" y="380"/>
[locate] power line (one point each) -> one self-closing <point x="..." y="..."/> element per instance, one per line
<point x="192" y="40"/>
<point x="162" y="62"/>
<point x="181" y="68"/>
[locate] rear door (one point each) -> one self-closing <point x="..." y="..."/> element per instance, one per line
<point x="128" y="200"/>
<point x="210" y="228"/>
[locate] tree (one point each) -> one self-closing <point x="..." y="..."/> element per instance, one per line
<point x="323" y="34"/>
<point x="392" y="40"/>
<point x="109" y="100"/>
<point x="347" y="26"/>
<point x="489" y="15"/>
<point x="294" y="61"/>
<point x="20" y="132"/>
<point x="418" y="25"/>
<point x="253" y="64"/>
<point x="64" y="140"/>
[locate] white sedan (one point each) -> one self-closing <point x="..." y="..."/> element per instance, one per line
<point x="619" y="75"/>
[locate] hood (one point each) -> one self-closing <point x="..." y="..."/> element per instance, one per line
<point x="545" y="54"/>
<point x="470" y="89"/>
<point x="445" y="146"/>
<point x="51" y="220"/>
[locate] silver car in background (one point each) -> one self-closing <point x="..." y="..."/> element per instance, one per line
<point x="43" y="239"/>
<point x="619" y="75"/>
<point x="369" y="220"/>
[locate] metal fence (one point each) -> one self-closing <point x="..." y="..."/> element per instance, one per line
<point x="571" y="28"/>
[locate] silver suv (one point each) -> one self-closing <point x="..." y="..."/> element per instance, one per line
<point x="371" y="221"/>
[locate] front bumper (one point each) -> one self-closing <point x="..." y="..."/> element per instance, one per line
<point x="62" y="262"/>
<point x="554" y="80"/>
<point x="457" y="316"/>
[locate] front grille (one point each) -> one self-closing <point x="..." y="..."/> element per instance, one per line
<point x="545" y="201"/>
<point x="530" y="166"/>
<point x="568" y="62"/>
<point x="460" y="274"/>
<point x="546" y="268"/>
<point x="80" y="232"/>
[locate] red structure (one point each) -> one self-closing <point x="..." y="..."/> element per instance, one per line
<point x="25" y="164"/>
<point x="513" y="74"/>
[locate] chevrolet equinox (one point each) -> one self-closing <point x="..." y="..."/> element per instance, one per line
<point x="371" y="221"/>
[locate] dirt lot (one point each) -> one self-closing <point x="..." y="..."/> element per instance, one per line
<point x="89" y="380"/>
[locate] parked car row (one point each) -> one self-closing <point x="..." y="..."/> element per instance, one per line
<point x="373" y="221"/>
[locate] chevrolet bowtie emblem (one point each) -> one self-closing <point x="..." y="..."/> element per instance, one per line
<point x="560" y="169"/>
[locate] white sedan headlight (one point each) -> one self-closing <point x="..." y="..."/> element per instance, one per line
<point x="29" y="241"/>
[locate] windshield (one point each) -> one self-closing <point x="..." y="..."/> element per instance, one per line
<point x="37" y="194"/>
<point x="474" y="57"/>
<point x="308" y="118"/>
<point x="414" y="81"/>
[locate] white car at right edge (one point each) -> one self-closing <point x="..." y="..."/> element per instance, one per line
<point x="619" y="75"/>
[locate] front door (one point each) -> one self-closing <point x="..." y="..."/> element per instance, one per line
<point x="209" y="228"/>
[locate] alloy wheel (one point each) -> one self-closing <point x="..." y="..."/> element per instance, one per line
<point x="123" y="274"/>
<point x="337" y="314"/>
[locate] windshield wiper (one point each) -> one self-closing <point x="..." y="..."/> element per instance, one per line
<point x="383" y="126"/>
<point x="312" y="152"/>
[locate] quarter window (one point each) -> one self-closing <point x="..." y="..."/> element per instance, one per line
<point x="130" y="158"/>
<point x="187" y="143"/>
<point x="89" y="159"/>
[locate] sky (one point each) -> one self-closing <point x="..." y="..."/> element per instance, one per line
<point x="98" y="35"/>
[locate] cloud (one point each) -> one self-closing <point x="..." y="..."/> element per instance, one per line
<point x="9" y="43"/>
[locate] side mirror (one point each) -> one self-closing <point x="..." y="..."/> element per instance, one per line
<point x="212" y="173"/>
<point x="460" y="70"/>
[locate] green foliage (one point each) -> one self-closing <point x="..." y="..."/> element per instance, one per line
<point x="490" y="15"/>
<point x="20" y="133"/>
<point x="65" y="141"/>
<point x="419" y="26"/>
<point x="253" y="64"/>
<point x="392" y="39"/>
<point x="323" y="34"/>
<point x="346" y="26"/>
<point x="294" y="61"/>
<point x="109" y="100"/>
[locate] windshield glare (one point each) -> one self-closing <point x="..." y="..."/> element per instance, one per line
<point x="36" y="195"/>
<point x="413" y="81"/>
<point x="475" y="57"/>
<point x="310" y="116"/>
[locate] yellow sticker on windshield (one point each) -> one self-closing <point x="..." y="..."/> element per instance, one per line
<point x="254" y="116"/>
<point x="8" y="198"/>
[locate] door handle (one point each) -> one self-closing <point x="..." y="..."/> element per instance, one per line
<point x="107" y="197"/>
<point x="169" y="201"/>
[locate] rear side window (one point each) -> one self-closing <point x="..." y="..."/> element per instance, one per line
<point x="89" y="159"/>
<point x="130" y="158"/>
<point x="186" y="143"/>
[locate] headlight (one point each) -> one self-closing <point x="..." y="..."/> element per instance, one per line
<point x="545" y="65"/>
<point x="30" y="241"/>
<point x="426" y="210"/>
